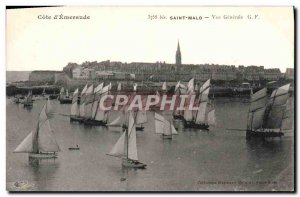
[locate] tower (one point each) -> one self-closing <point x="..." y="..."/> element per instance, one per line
<point x="178" y="55"/>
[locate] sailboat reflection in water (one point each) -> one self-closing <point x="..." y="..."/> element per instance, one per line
<point x="126" y="147"/>
<point x="40" y="143"/>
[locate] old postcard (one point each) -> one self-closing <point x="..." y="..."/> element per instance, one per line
<point x="120" y="98"/>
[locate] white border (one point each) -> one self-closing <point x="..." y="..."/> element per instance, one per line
<point x="3" y="3"/>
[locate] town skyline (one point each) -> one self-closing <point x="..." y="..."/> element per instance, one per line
<point x="42" y="44"/>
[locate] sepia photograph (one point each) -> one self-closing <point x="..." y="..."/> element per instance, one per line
<point x="150" y="98"/>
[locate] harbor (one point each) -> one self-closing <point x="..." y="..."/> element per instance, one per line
<point x="193" y="154"/>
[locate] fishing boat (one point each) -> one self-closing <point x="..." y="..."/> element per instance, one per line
<point x="126" y="147"/>
<point x="64" y="97"/>
<point x="164" y="127"/>
<point x="135" y="87"/>
<point x="141" y="118"/>
<point x="119" y="88"/>
<point x="44" y="93"/>
<point x="53" y="96"/>
<point x="265" y="116"/>
<point x="164" y="87"/>
<point x="74" y="114"/>
<point x="41" y="142"/>
<point x="199" y="119"/>
<point x="28" y="101"/>
<point x="17" y="99"/>
<point x="94" y="115"/>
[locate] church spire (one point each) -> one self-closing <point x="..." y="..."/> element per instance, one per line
<point x="178" y="55"/>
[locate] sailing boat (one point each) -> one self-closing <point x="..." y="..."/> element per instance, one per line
<point x="164" y="87"/>
<point x="95" y="115"/>
<point x="126" y="147"/>
<point x="74" y="114"/>
<point x="119" y="88"/>
<point x="164" y="126"/>
<point x="44" y="93"/>
<point x="135" y="87"/>
<point x="265" y="117"/>
<point x="64" y="98"/>
<point x="28" y="102"/>
<point x="199" y="119"/>
<point x="141" y="118"/>
<point x="40" y="143"/>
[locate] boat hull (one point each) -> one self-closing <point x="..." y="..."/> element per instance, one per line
<point x="76" y="119"/>
<point x="262" y="134"/>
<point x="133" y="164"/>
<point x="74" y="148"/>
<point x="178" y="117"/>
<point x="90" y="122"/>
<point x="42" y="155"/>
<point x="65" y="101"/>
<point x="28" y="104"/>
<point x="193" y="125"/>
<point x="139" y="128"/>
<point x="166" y="136"/>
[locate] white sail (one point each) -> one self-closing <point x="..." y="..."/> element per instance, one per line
<point x="188" y="114"/>
<point x="26" y="145"/>
<point x="276" y="108"/>
<point x="116" y="122"/>
<point x="75" y="96"/>
<point x="98" y="88"/>
<point x="204" y="86"/>
<point x="46" y="139"/>
<point x="157" y="93"/>
<point x="84" y="89"/>
<point x="89" y="102"/>
<point x="141" y="117"/>
<point x="174" y="132"/>
<point x="190" y="86"/>
<point x="196" y="87"/>
<point x="275" y="117"/>
<point x="280" y="95"/>
<point x="135" y="87"/>
<point x="200" y="119"/>
<point x="100" y="116"/>
<point x="119" y="87"/>
<point x="211" y="118"/>
<point x="67" y="92"/>
<point x="203" y="97"/>
<point x="258" y="100"/>
<point x="132" y="148"/>
<point x="255" y="119"/>
<point x="49" y="108"/>
<point x="164" y="86"/>
<point x="167" y="127"/>
<point x="119" y="148"/>
<point x="74" y="109"/>
<point x="159" y="123"/>
<point x="82" y="110"/>
<point x="62" y="91"/>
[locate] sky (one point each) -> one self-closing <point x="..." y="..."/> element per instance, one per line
<point x="127" y="34"/>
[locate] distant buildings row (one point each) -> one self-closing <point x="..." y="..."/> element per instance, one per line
<point x="159" y="71"/>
